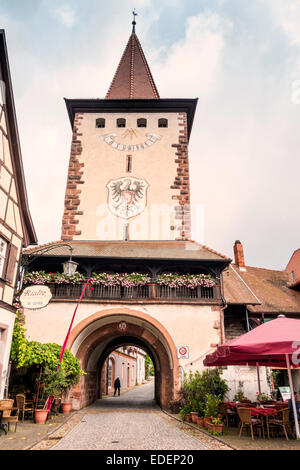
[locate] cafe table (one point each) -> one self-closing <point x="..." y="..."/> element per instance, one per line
<point x="263" y="411"/>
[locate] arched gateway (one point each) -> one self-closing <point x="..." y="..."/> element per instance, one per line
<point x="95" y="337"/>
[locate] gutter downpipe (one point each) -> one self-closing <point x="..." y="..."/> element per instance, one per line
<point x="247" y="318"/>
<point x="222" y="324"/>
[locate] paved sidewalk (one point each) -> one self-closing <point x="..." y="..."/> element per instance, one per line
<point x="29" y="433"/>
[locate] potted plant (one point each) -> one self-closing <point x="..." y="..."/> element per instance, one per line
<point x="211" y="409"/>
<point x="206" y="418"/>
<point x="66" y="407"/>
<point x="185" y="413"/>
<point x="40" y="415"/>
<point x="216" y="425"/>
<point x="239" y="396"/>
<point x="55" y="383"/>
<point x="194" y="413"/>
<point x="200" y="417"/>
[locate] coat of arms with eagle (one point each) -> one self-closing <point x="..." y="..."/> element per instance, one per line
<point x="127" y="196"/>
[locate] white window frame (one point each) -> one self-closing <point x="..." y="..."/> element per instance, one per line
<point x="3" y="254"/>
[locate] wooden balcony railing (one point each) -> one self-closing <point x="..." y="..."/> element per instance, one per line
<point x="150" y="291"/>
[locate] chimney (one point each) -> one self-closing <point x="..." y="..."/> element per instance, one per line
<point x="239" y="255"/>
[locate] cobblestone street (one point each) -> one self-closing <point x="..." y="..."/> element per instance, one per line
<point x="132" y="422"/>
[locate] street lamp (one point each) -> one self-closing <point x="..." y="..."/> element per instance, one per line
<point x="69" y="267"/>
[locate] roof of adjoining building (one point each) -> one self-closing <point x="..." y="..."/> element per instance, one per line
<point x="264" y="290"/>
<point x="184" y="250"/>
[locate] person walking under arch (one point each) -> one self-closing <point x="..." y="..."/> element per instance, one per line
<point x="117" y="386"/>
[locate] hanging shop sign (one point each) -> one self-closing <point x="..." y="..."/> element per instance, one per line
<point x="182" y="352"/>
<point x="35" y="297"/>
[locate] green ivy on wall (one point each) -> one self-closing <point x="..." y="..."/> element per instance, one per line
<point x="26" y="353"/>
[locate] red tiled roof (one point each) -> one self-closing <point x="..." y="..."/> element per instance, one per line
<point x="236" y="291"/>
<point x="133" y="78"/>
<point x="269" y="287"/>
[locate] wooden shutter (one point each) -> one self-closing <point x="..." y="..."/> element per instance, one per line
<point x="11" y="263"/>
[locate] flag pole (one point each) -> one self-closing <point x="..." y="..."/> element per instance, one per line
<point x="67" y="337"/>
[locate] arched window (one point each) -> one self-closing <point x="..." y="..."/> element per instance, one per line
<point x="163" y="122"/>
<point x="142" y="122"/>
<point x="121" y="122"/>
<point x="100" y="122"/>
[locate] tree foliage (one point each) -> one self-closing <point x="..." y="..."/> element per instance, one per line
<point x="26" y="353"/>
<point x="149" y="367"/>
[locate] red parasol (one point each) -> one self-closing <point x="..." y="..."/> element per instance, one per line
<point x="274" y="344"/>
<point x="267" y="345"/>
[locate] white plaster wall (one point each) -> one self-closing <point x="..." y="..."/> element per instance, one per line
<point x="188" y="325"/>
<point x="248" y="375"/>
<point x="102" y="163"/>
<point x="129" y="362"/>
<point x="140" y="364"/>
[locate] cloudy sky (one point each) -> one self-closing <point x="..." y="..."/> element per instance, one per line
<point x="241" y="58"/>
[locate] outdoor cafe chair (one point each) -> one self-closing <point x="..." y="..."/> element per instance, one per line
<point x="283" y="422"/>
<point x="227" y="413"/>
<point x="246" y="419"/>
<point x="7" y="406"/>
<point x="23" y="405"/>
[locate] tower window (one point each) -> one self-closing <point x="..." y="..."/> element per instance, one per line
<point x="126" y="232"/>
<point x="142" y="122"/>
<point x="121" y="122"/>
<point x="128" y="163"/>
<point x="163" y="122"/>
<point x="100" y="122"/>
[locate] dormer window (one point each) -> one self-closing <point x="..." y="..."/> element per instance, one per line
<point x="163" y="122"/>
<point x="100" y="122"/>
<point x="142" y="122"/>
<point x="121" y="122"/>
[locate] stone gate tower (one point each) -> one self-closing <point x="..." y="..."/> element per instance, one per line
<point x="127" y="212"/>
<point x="128" y="176"/>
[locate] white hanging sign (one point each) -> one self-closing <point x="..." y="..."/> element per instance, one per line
<point x="35" y="297"/>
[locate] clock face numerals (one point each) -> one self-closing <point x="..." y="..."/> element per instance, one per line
<point x="110" y="139"/>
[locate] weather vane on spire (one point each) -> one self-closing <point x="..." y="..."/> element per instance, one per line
<point x="134" y="22"/>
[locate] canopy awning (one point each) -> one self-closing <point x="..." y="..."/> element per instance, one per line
<point x="273" y="344"/>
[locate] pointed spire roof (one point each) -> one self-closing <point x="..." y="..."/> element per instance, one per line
<point x="133" y="78"/>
